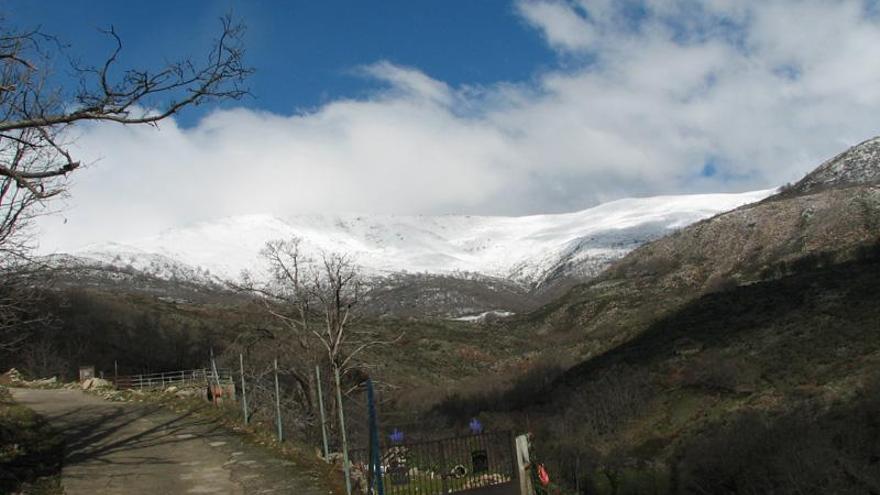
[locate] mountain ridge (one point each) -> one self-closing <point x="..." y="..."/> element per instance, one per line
<point x="529" y="250"/>
<point x="857" y="165"/>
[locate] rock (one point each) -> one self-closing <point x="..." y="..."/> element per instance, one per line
<point x="95" y="383"/>
<point x="182" y="394"/>
<point x="11" y="376"/>
<point x="170" y="390"/>
<point x="101" y="383"/>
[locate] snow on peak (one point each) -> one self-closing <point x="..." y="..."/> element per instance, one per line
<point x="524" y="249"/>
<point x="857" y="165"/>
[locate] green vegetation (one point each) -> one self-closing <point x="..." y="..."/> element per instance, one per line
<point x="766" y="387"/>
<point x="30" y="452"/>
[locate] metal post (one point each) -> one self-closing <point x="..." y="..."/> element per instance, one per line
<point x="345" y="467"/>
<point x="375" y="462"/>
<point x="278" y="405"/>
<point x="244" y="408"/>
<point x="323" y="416"/>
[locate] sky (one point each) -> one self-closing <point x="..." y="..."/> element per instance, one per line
<point x="468" y="107"/>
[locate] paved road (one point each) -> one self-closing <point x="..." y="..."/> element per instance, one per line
<point x="134" y="449"/>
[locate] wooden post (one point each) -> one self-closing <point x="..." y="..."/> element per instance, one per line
<point x="522" y="464"/>
<point x="323" y="416"/>
<point x="115" y="374"/>
<point x="345" y="467"/>
<point x="278" y="405"/>
<point x="244" y="408"/>
<point x="444" y="470"/>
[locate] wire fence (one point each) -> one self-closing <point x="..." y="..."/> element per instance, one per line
<point x="474" y="463"/>
<point x="180" y="378"/>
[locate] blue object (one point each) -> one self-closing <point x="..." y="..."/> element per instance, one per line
<point x="476" y="426"/>
<point x="396" y="436"/>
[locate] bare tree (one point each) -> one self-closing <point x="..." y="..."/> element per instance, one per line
<point x="336" y="288"/>
<point x="317" y="302"/>
<point x="37" y="114"/>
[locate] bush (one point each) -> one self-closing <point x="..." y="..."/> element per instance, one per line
<point x="802" y="452"/>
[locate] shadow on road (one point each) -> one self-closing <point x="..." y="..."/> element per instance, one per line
<point x="94" y="434"/>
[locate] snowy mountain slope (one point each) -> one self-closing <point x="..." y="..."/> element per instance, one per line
<point x="527" y="250"/>
<point x="859" y="164"/>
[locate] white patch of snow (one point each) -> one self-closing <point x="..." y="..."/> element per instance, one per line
<point x="524" y="249"/>
<point x="482" y="316"/>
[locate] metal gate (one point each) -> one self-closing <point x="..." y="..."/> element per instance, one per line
<point x="479" y="464"/>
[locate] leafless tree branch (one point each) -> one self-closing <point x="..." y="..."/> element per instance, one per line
<point x="36" y="116"/>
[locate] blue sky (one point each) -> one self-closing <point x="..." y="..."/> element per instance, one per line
<point x="478" y="107"/>
<point x="306" y="52"/>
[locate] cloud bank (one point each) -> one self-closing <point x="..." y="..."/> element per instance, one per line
<point x="647" y="98"/>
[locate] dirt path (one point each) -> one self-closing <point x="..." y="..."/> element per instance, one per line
<point x="134" y="449"/>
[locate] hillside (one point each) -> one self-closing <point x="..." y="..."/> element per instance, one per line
<point x="752" y="387"/>
<point x="854" y="166"/>
<point x="756" y="242"/>
<point x="738" y="355"/>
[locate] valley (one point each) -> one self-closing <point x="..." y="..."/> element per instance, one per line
<point x="761" y="319"/>
<point x="510" y="247"/>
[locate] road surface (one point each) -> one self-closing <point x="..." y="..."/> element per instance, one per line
<point x="134" y="449"/>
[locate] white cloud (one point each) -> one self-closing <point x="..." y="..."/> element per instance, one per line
<point x="562" y="25"/>
<point x="761" y="90"/>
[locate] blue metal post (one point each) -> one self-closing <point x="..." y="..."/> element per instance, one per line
<point x="375" y="461"/>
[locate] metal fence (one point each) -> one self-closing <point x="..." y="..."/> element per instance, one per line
<point x="177" y="378"/>
<point x="459" y="464"/>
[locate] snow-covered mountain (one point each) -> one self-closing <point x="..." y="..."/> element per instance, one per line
<point x="857" y="165"/>
<point x="527" y="250"/>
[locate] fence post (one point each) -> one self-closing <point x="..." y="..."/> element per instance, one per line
<point x="243" y="391"/>
<point x="323" y="417"/>
<point x="218" y="390"/>
<point x="345" y="467"/>
<point x="115" y="374"/>
<point x="522" y="465"/>
<point x="278" y="405"/>
<point x="375" y="456"/>
<point x="444" y="469"/>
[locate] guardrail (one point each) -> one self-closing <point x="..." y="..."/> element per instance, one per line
<point x="177" y="378"/>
